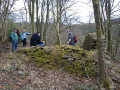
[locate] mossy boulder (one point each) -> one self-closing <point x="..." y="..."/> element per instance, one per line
<point x="90" y="42"/>
<point x="70" y="59"/>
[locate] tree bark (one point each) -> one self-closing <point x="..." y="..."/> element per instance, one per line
<point x="5" y="7"/>
<point x="109" y="26"/>
<point x="32" y="16"/>
<point x="103" y="77"/>
<point x="47" y="20"/>
<point x="31" y="13"/>
<point x="37" y="19"/>
<point x="42" y="19"/>
<point x="58" y="23"/>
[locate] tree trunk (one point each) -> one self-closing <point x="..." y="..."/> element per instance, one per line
<point x="58" y="23"/>
<point x="42" y="19"/>
<point x="37" y="19"/>
<point x="117" y="45"/>
<point x="26" y="14"/>
<point x="32" y="16"/>
<point x="3" y="20"/>
<point x="109" y="26"/>
<point x="103" y="77"/>
<point x="47" y="20"/>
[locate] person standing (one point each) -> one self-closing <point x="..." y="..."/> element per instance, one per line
<point x="14" y="38"/>
<point x="18" y="33"/>
<point x="70" y="38"/>
<point x="36" y="40"/>
<point x="24" y="37"/>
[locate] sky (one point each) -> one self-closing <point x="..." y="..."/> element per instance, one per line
<point x="82" y="8"/>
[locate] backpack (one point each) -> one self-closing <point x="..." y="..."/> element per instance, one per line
<point x="75" y="39"/>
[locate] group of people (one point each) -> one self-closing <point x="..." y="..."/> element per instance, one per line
<point x="35" y="39"/>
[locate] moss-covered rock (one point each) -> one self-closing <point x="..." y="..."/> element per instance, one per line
<point x="69" y="58"/>
<point x="90" y="42"/>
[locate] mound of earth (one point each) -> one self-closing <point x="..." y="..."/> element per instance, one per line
<point x="48" y="68"/>
<point x="53" y="68"/>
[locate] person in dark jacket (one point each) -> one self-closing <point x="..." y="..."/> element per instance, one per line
<point x="70" y="38"/>
<point x="36" y="40"/>
<point x="18" y="33"/>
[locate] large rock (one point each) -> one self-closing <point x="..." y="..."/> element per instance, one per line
<point x="90" y="42"/>
<point x="69" y="58"/>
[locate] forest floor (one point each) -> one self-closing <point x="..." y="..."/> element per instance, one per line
<point x="16" y="74"/>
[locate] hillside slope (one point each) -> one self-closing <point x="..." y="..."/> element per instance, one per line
<point x="18" y="72"/>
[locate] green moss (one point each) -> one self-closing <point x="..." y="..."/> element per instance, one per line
<point x="69" y="58"/>
<point x="106" y="84"/>
<point x="48" y="66"/>
<point x="10" y="57"/>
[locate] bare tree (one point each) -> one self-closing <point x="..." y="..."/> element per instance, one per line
<point x="37" y="11"/>
<point x="109" y="25"/>
<point x="58" y="8"/>
<point x="31" y="13"/>
<point x="25" y="12"/>
<point x="103" y="77"/>
<point x="5" y="7"/>
<point x="42" y="17"/>
<point x="47" y="19"/>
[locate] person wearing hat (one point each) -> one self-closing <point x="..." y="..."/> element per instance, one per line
<point x="36" y="40"/>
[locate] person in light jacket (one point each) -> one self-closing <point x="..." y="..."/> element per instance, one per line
<point x="24" y="37"/>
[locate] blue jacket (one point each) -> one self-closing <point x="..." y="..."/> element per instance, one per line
<point x="22" y="36"/>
